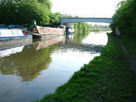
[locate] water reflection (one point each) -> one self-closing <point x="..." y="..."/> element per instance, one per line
<point x="48" y="42"/>
<point x="38" y="69"/>
<point x="78" y="37"/>
<point x="93" y="42"/>
<point x="29" y="60"/>
<point x="96" y="38"/>
<point x="10" y="51"/>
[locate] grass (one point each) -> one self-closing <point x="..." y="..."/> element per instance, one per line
<point x="108" y="78"/>
<point x="130" y="43"/>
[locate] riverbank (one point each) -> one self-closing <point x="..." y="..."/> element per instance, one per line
<point x="107" y="78"/>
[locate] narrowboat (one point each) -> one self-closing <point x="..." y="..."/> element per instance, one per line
<point x="42" y="32"/>
<point x="13" y="37"/>
<point x="10" y="33"/>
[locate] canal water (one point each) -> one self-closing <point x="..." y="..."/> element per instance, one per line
<point x="28" y="72"/>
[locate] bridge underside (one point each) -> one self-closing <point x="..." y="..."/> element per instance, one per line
<point x="74" y="20"/>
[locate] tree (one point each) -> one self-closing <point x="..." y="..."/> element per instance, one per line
<point x="121" y="3"/>
<point x="24" y="13"/>
<point x="125" y="18"/>
<point x="55" y="19"/>
<point x="47" y="3"/>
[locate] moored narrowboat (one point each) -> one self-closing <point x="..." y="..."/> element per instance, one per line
<point x="13" y="37"/>
<point x="10" y="33"/>
<point x="41" y="32"/>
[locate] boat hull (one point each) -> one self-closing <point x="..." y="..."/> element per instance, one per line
<point x="13" y="37"/>
<point x="42" y="32"/>
<point x="11" y="32"/>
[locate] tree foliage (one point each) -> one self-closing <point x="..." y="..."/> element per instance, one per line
<point x="125" y="18"/>
<point x="47" y="3"/>
<point x="24" y="11"/>
<point x="55" y="19"/>
<point x="81" y="27"/>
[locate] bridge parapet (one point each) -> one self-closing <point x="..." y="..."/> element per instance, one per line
<point x="97" y="20"/>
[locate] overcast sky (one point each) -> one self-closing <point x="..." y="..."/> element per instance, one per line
<point x="86" y="8"/>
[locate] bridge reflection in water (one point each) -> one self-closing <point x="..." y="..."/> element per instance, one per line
<point x="29" y="72"/>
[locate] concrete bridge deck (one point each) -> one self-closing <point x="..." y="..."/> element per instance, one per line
<point x="73" y="20"/>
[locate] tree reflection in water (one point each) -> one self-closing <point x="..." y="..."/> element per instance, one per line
<point x="29" y="63"/>
<point x="79" y="36"/>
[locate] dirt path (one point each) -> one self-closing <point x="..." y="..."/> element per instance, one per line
<point x="131" y="58"/>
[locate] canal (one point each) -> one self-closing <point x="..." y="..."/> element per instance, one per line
<point x="28" y="72"/>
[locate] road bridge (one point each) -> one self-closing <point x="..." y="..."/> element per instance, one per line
<point x="81" y="19"/>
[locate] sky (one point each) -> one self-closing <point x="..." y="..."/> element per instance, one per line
<point x="86" y="8"/>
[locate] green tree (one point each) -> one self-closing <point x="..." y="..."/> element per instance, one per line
<point x="125" y="18"/>
<point x="24" y="13"/>
<point x="55" y="19"/>
<point x="47" y="3"/>
<point x="81" y="27"/>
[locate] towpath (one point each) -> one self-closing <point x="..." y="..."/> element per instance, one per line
<point x="131" y="58"/>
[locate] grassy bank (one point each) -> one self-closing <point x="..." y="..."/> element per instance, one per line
<point x="108" y="78"/>
<point x="130" y="43"/>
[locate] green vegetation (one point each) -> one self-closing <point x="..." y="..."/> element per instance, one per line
<point x="108" y="78"/>
<point x="99" y="28"/>
<point x="81" y="31"/>
<point x="130" y="44"/>
<point x="84" y="27"/>
<point x="81" y="27"/>
<point x="28" y="68"/>
<point x="55" y="19"/>
<point x="78" y="37"/>
<point x="125" y="18"/>
<point x="47" y="3"/>
<point x="25" y="11"/>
